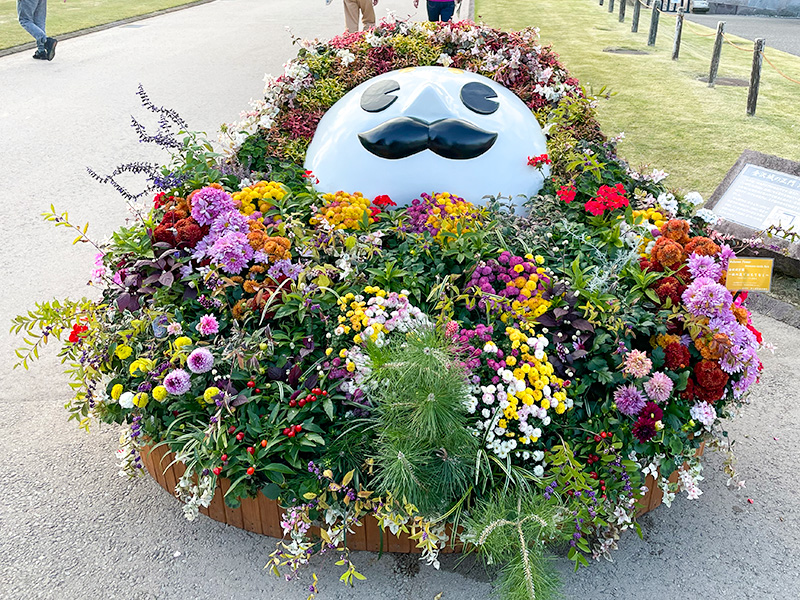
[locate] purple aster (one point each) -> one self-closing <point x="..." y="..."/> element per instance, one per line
<point x="725" y="254"/>
<point x="629" y="400"/>
<point x="231" y="252"/>
<point x="284" y="268"/>
<point x="200" y="360"/>
<point x="178" y="382"/>
<point x="209" y="203"/>
<point x="208" y="325"/>
<point x="704" y="266"/>
<point x="229" y="221"/>
<point x="706" y="298"/>
<point x="658" y="387"/>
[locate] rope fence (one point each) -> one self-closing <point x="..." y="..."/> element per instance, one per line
<point x="657" y="8"/>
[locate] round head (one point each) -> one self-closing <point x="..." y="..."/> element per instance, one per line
<point x="428" y="129"/>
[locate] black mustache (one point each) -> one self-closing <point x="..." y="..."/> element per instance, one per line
<point x="404" y="136"/>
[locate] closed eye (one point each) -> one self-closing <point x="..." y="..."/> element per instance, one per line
<point x="379" y="95"/>
<point x="476" y="96"/>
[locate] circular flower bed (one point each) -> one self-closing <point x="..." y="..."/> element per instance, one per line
<point x="442" y="366"/>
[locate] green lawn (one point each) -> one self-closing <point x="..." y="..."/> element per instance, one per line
<point x="71" y="15"/>
<point x="671" y="119"/>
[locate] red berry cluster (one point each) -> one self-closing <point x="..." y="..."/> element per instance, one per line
<point x="312" y="397"/>
<point x="292" y="430"/>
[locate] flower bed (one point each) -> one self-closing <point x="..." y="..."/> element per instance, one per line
<point x="432" y="368"/>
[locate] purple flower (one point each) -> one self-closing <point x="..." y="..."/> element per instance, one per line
<point x="209" y="203"/>
<point x="178" y="382"/>
<point x="284" y="268"/>
<point x="658" y="387"/>
<point x="208" y="325"/>
<point x="706" y="298"/>
<point x="200" y="360"/>
<point x="629" y="400"/>
<point x="231" y="221"/>
<point x="704" y="266"/>
<point x="231" y="252"/>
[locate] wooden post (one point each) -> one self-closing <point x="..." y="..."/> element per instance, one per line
<point x="651" y="40"/>
<point x="676" y="44"/>
<point x="755" y="75"/>
<point x="637" y="10"/>
<point x="611" y="6"/>
<point x="712" y="72"/>
<point x="622" y="5"/>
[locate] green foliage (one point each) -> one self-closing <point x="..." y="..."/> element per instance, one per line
<point x="424" y="452"/>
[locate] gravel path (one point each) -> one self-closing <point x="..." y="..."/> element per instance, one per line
<point x="71" y="529"/>
<point x="782" y="34"/>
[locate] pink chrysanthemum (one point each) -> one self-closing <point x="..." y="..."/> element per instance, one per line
<point x="200" y="360"/>
<point x="208" y="325"/>
<point x="658" y="387"/>
<point x="177" y="382"/>
<point x="637" y="364"/>
<point x="208" y="203"/>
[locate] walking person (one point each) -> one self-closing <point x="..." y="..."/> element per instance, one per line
<point x="32" y="16"/>
<point x="351" y="12"/>
<point x="439" y="10"/>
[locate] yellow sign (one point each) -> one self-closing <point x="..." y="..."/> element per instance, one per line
<point x="752" y="274"/>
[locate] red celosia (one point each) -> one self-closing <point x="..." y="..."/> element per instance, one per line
<point x="709" y="394"/>
<point x="187" y="233"/>
<point x="538" y="161"/>
<point x="566" y="193"/>
<point x="608" y="198"/>
<point x="677" y="357"/>
<point x="77" y="331"/>
<point x="689" y="392"/>
<point x="709" y="375"/>
<point x="669" y="287"/>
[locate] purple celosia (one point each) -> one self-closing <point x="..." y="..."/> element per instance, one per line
<point x="707" y="298"/>
<point x="208" y="325"/>
<point x="658" y="387"/>
<point x="209" y="203"/>
<point x="177" y="382"/>
<point x="200" y="360"/>
<point x="704" y="266"/>
<point x="630" y="401"/>
<point x="231" y="252"/>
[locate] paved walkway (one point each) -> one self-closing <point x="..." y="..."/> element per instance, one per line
<point x="71" y="529"/>
<point x="782" y="34"/>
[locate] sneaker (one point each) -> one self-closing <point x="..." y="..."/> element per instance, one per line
<point x="50" y="48"/>
<point x="40" y="55"/>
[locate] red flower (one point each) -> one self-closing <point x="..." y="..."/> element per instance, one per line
<point x="566" y="193"/>
<point x="644" y="429"/>
<point x="607" y="198"/>
<point x="383" y="201"/>
<point x="709" y="375"/>
<point x="689" y="392"/>
<point x="652" y="411"/>
<point x="677" y="357"/>
<point x="77" y="332"/>
<point x="756" y="332"/>
<point x="538" y="161"/>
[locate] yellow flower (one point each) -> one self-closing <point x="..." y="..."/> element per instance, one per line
<point x="210" y="393"/>
<point x="141" y="364"/>
<point x="342" y="353"/>
<point x="123" y="351"/>
<point x="351" y="366"/>
<point x="160" y="393"/>
<point x="545" y="403"/>
<point x="116" y="391"/>
<point x="539" y="259"/>
<point x="181" y="342"/>
<point x="328" y="351"/>
<point x="141" y="399"/>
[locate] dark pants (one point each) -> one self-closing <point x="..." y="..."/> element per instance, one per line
<point x="440" y="10"/>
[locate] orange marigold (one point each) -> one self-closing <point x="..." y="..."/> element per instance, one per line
<point x="676" y="230"/>
<point x="667" y="252"/>
<point x="703" y="246"/>
<point x="740" y="313"/>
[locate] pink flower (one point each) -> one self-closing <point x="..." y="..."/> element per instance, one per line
<point x="208" y="325"/>
<point x="637" y="364"/>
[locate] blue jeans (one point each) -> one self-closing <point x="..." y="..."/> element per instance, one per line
<point x="443" y="10"/>
<point x="32" y="15"/>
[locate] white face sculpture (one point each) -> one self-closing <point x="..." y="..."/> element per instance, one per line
<point x="428" y="129"/>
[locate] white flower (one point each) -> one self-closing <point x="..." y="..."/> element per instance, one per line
<point x="444" y="60"/>
<point x="345" y="56"/>
<point x="709" y="216"/>
<point x="538" y="470"/>
<point x="126" y="400"/>
<point x="538" y="455"/>
<point x="667" y="202"/>
<point x="695" y="198"/>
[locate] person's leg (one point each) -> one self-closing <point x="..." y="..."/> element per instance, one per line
<point x="40" y="15"/>
<point x="367" y="14"/>
<point x="433" y="10"/>
<point x="447" y="9"/>
<point x="25" y="12"/>
<point x="351" y="15"/>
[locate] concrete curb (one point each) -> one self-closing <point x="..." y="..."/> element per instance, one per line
<point x="772" y="307"/>
<point x="79" y="32"/>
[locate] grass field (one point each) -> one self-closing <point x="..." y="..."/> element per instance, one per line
<point x="71" y="15"/>
<point x="671" y="119"/>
